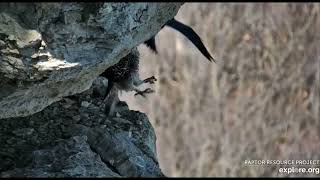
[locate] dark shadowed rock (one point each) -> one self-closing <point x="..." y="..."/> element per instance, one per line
<point x="68" y="139"/>
<point x="69" y="158"/>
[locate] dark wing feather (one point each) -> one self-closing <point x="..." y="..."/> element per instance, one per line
<point x="151" y="43"/>
<point x="191" y="35"/>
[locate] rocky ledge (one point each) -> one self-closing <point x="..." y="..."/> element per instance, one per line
<point x="74" y="138"/>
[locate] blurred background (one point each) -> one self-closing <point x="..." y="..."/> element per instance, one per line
<point x="261" y="100"/>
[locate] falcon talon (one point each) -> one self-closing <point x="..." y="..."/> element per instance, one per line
<point x="150" y="80"/>
<point x="142" y="93"/>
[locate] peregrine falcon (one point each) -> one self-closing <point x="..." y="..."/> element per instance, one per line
<point x="124" y="76"/>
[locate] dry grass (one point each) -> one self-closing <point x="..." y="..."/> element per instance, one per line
<point x="260" y="101"/>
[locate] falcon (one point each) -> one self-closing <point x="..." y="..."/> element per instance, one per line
<point x="125" y="74"/>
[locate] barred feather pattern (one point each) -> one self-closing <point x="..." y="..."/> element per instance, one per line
<point x="124" y="68"/>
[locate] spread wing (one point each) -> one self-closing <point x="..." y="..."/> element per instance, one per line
<point x="191" y="35"/>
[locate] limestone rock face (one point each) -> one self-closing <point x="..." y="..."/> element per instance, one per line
<point x="52" y="50"/>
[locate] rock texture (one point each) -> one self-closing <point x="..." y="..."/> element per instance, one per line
<point x="74" y="138"/>
<point x="52" y="113"/>
<point x="52" y="50"/>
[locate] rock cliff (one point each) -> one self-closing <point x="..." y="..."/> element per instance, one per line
<point x="52" y="114"/>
